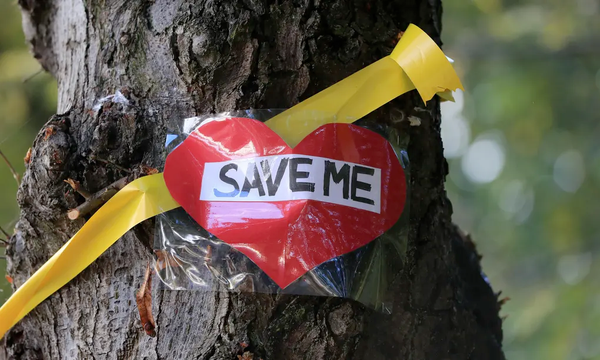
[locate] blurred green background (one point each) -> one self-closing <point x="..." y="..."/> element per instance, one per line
<point x="27" y="100"/>
<point x="523" y="144"/>
<point x="522" y="141"/>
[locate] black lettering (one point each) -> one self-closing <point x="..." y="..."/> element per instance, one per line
<point x="296" y="186"/>
<point x="272" y="187"/>
<point x="357" y="169"/>
<point x="331" y="173"/>
<point x="256" y="182"/>
<point x="226" y="179"/>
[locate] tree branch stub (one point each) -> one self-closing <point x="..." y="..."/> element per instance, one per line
<point x="15" y="174"/>
<point x="97" y="199"/>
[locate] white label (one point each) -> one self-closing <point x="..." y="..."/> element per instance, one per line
<point x="293" y="177"/>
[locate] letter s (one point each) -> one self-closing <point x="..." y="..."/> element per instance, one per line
<point x="228" y="180"/>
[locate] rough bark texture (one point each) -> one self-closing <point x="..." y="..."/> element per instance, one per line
<point x="223" y="55"/>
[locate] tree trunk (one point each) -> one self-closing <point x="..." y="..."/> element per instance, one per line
<point x="224" y="55"/>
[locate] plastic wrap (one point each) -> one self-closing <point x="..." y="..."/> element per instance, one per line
<point x="189" y="257"/>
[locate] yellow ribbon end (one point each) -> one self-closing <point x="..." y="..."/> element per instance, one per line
<point x="425" y="64"/>
<point x="416" y="62"/>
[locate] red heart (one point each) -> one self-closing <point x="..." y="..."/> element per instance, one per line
<point x="285" y="238"/>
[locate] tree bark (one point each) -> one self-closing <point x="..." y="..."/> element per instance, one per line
<point x="223" y="55"/>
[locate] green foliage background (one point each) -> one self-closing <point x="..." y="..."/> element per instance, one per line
<point x="522" y="143"/>
<point x="531" y="71"/>
<point x="27" y="100"/>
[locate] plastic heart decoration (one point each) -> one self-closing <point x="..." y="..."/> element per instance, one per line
<point x="288" y="209"/>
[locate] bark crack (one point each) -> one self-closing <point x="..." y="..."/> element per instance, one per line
<point x="158" y="333"/>
<point x="175" y="48"/>
<point x="96" y="319"/>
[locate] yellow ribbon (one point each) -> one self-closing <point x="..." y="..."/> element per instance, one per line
<point x="416" y="62"/>
<point x="140" y="200"/>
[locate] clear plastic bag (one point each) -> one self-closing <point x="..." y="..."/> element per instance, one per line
<point x="189" y="257"/>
